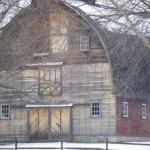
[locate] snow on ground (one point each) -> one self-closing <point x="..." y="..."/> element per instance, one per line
<point x="57" y="145"/>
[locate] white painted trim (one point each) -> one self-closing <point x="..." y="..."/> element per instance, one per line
<point x="47" y="106"/>
<point x="40" y="54"/>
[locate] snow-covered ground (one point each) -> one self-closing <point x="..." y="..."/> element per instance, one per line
<point x="57" y="145"/>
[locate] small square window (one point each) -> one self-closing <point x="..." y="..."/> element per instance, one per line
<point x="84" y="43"/>
<point x="5" y="111"/>
<point x="125" y="109"/>
<point x="95" y="109"/>
<point x="143" y="111"/>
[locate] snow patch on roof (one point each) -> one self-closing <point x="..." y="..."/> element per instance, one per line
<point x="45" y="64"/>
<point x="85" y="7"/>
<point x="47" y="106"/>
<point x="7" y="12"/>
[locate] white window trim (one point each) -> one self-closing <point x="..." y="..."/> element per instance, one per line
<point x="144" y="114"/>
<point x="100" y="111"/>
<point x="8" y="112"/>
<point x="84" y="43"/>
<point x="123" y="114"/>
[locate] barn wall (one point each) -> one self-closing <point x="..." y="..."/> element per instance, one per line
<point x="133" y="125"/>
<point x="81" y="84"/>
<point x="86" y="76"/>
<point x="84" y="84"/>
<point x="16" y="126"/>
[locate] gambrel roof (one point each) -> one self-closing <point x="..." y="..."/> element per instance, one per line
<point x="128" y="57"/>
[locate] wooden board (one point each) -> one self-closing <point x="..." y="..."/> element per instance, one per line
<point x="60" y="122"/>
<point x="38" y="124"/>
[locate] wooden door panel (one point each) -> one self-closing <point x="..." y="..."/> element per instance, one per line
<point x="55" y="120"/>
<point x="60" y="120"/>
<point x="65" y="121"/>
<point x="33" y="124"/>
<point x="43" y="124"/>
<point x="38" y="123"/>
<point x="39" y="128"/>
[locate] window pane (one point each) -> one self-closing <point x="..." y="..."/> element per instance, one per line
<point x="97" y="104"/>
<point x="96" y="108"/>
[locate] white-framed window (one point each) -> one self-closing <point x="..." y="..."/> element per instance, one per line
<point x="84" y="43"/>
<point x="5" y="111"/>
<point x="96" y="108"/>
<point x="143" y="111"/>
<point x="125" y="109"/>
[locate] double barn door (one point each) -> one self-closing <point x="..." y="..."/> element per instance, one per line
<point x="49" y="123"/>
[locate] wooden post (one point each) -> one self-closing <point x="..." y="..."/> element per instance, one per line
<point x="61" y="144"/>
<point x="60" y="124"/>
<point x="106" y="143"/>
<point x="15" y="143"/>
<point x="38" y="136"/>
<point x="28" y="127"/>
<point x="71" y="124"/>
<point x="61" y="138"/>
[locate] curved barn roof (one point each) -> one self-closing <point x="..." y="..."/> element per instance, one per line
<point x="128" y="56"/>
<point x="10" y="9"/>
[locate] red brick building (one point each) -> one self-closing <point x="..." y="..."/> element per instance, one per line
<point x="133" y="117"/>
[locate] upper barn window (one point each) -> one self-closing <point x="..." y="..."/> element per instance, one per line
<point x="50" y="81"/>
<point x="84" y="43"/>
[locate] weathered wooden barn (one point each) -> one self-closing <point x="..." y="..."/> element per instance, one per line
<point x="60" y="76"/>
